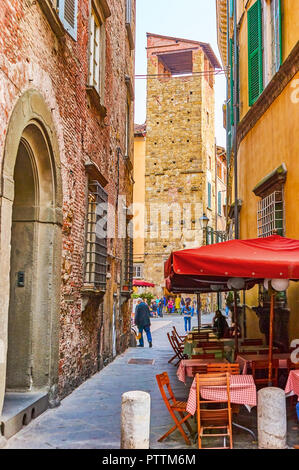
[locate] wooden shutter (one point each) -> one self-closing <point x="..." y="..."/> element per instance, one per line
<point x="128" y="11"/>
<point x="68" y="16"/>
<point x="231" y="63"/>
<point x="277" y="34"/>
<point x="255" y="52"/>
<point x="219" y="203"/>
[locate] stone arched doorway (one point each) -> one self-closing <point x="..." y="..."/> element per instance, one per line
<point x="30" y="253"/>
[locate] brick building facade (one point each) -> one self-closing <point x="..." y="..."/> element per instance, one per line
<point x="66" y="146"/>
<point x="180" y="148"/>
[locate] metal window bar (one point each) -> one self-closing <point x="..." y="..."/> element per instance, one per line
<point x="270" y="215"/>
<point x="96" y="242"/>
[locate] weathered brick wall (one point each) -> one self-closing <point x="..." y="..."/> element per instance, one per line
<point x="32" y="57"/>
<point x="178" y="143"/>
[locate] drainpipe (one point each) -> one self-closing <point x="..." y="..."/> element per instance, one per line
<point x="235" y="107"/>
<point x="227" y="113"/>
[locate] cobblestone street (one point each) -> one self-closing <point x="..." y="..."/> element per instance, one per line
<point x="89" y="418"/>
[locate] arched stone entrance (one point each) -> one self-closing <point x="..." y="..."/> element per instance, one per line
<point x="30" y="251"/>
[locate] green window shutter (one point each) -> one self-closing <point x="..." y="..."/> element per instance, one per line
<point x="209" y="195"/>
<point x="231" y="63"/>
<point x="255" y="52"/>
<point x="278" y="34"/>
<point x="231" y="8"/>
<point x="68" y="16"/>
<point x="219" y="203"/>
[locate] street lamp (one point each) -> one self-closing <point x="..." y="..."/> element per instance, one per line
<point x="204" y="220"/>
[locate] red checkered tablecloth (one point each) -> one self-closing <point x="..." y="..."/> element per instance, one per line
<point x="245" y="360"/>
<point x="185" y="366"/>
<point x="292" y="386"/>
<point x="242" y="392"/>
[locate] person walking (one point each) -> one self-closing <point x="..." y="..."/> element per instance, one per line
<point x="170" y="305"/>
<point x="182" y="305"/>
<point x="188" y="313"/>
<point x="142" y="321"/>
<point x="178" y="304"/>
<point x="160" y="308"/>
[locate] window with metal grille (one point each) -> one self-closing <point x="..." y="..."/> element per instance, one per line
<point x="96" y="237"/>
<point x="128" y="259"/>
<point x="270" y="215"/>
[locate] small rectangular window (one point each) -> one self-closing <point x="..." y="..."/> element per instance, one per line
<point x="128" y="11"/>
<point x="95" y="52"/>
<point x="127" y="130"/>
<point x="96" y="237"/>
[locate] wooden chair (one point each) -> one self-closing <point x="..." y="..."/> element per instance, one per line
<point x="260" y="371"/>
<point x="173" y="406"/>
<point x="211" y="345"/>
<point x="252" y="342"/>
<point x="201" y="369"/>
<point x="213" y="417"/>
<point x="177" y="350"/>
<point x="233" y="368"/>
<point x="200" y="336"/>
<point x="181" y="337"/>
<point x="203" y="356"/>
<point x="292" y="365"/>
<point x="247" y="351"/>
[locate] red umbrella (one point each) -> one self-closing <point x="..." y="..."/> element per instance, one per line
<point x="142" y="283"/>
<point x="208" y="268"/>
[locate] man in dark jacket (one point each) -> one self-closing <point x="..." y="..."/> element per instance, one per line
<point x="142" y="321"/>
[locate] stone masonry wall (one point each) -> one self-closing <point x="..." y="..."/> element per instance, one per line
<point x="32" y="57"/>
<point x="178" y="144"/>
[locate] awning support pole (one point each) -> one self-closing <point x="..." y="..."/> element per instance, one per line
<point x="271" y="338"/>
<point x="236" y="324"/>
<point x="198" y="312"/>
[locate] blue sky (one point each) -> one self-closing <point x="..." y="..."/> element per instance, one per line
<point x="189" y="19"/>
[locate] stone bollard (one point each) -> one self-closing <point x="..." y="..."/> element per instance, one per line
<point x="271" y="418"/>
<point x="135" y="420"/>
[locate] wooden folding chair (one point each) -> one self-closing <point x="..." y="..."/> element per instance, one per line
<point x="260" y="372"/>
<point x="199" y="369"/>
<point x="232" y="368"/>
<point x="173" y="406"/>
<point x="216" y="417"/>
<point x="203" y="356"/>
<point x="252" y="342"/>
<point x="178" y="349"/>
<point x="180" y="337"/>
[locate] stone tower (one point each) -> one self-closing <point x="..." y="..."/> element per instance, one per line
<point x="180" y="148"/>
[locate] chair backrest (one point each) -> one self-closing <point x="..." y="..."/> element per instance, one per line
<point x="264" y="365"/>
<point x="175" y="333"/>
<point x="164" y="385"/>
<point x="251" y="342"/>
<point x="233" y="368"/>
<point x="200" y="369"/>
<point x="200" y="336"/>
<point x="210" y="344"/>
<point x="173" y="345"/>
<point x="292" y="365"/>
<point x="203" y="356"/>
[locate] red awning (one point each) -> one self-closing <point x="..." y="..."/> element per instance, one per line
<point x="203" y="269"/>
<point x="138" y="283"/>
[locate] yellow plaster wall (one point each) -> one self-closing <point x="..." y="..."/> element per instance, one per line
<point x="272" y="141"/>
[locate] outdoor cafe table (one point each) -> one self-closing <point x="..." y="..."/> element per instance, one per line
<point x="242" y="392"/>
<point x="245" y="360"/>
<point x="292" y="386"/>
<point x="185" y="366"/>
